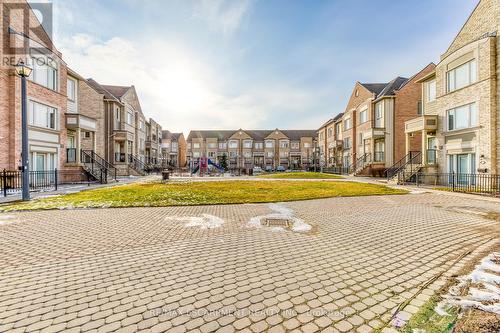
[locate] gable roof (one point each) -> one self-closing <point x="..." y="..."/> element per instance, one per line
<point x="100" y="89"/>
<point x="257" y="135"/>
<point x="117" y="91"/>
<point x="337" y="117"/>
<point x="166" y="134"/>
<point x="392" y="86"/>
<point x="375" y="88"/>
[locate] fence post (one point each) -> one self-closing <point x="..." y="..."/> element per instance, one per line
<point x="453" y="181"/>
<point x="55" y="177"/>
<point x="4" y="181"/>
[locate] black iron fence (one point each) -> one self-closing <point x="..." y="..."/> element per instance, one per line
<point x="11" y="182"/>
<point x="479" y="183"/>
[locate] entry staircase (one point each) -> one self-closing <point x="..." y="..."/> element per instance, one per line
<point x="404" y="169"/>
<point x="97" y="167"/>
<point x="360" y="164"/>
<point x="137" y="165"/>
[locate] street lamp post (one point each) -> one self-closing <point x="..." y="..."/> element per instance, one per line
<point x="24" y="71"/>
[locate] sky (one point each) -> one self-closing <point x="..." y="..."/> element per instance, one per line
<point x="254" y="64"/>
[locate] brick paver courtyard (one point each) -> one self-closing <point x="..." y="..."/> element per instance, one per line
<point x="146" y="269"/>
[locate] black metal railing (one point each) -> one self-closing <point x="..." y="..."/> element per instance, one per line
<point x="480" y="183"/>
<point x="111" y="169"/>
<point x="94" y="167"/>
<point x="411" y="159"/>
<point x="70" y="155"/>
<point x="11" y="182"/>
<point x="136" y="164"/>
<point x="360" y="163"/>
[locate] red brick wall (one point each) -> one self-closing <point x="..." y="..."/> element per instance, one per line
<point x="406" y="108"/>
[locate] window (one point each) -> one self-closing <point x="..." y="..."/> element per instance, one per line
<point x="130" y="118"/>
<point x="363" y="116"/>
<point x="430" y="91"/>
<point x="232" y="154"/>
<point x="212" y="145"/>
<point x="141" y="124"/>
<point x="247" y="144"/>
<point x="42" y="115"/>
<point x="321" y="136"/>
<point x="379" y="115"/>
<point x="295" y="145"/>
<point x="307" y="145"/>
<point x="247" y="154"/>
<point x="347" y="143"/>
<point x="283" y="154"/>
<point x="338" y="128"/>
<point x="233" y="144"/>
<point x="222" y="145"/>
<point x="284" y="143"/>
<point x="269" y="144"/>
<point x="211" y="154"/>
<point x="188" y="145"/>
<point x="462" y="76"/>
<point x="86" y="135"/>
<point x="174" y="146"/>
<point x="462" y="117"/>
<point x="196" y="154"/>
<point x="44" y="71"/>
<point x="71" y="88"/>
<point x="196" y="145"/>
<point x="270" y="154"/>
<point x="347" y="124"/>
<point x="330" y="132"/>
<point x="360" y="139"/>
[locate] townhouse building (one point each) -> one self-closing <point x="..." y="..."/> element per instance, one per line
<point x="46" y="93"/>
<point x="366" y="138"/>
<point x="245" y="149"/>
<point x="153" y="143"/>
<point x="174" y="149"/>
<point x="460" y="122"/>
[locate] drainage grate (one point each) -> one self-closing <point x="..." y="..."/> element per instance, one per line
<point x="276" y="222"/>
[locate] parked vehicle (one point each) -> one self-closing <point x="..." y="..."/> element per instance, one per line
<point x="256" y="170"/>
<point x="280" y="168"/>
<point x="269" y="168"/>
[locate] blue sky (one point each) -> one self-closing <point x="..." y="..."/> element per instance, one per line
<point x="252" y="63"/>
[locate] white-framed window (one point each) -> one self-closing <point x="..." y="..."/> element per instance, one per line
<point x="338" y="129"/>
<point x="212" y="145"/>
<point x="174" y="146"/>
<point x="269" y="154"/>
<point x="284" y="143"/>
<point x="196" y="145"/>
<point x="232" y="154"/>
<point x="233" y="144"/>
<point x="259" y="145"/>
<point x="212" y="154"/>
<point x="430" y="90"/>
<point x="363" y="116"/>
<point x="330" y="132"/>
<point x="347" y="142"/>
<point x="462" y="75"/>
<point x="347" y="123"/>
<point x="269" y="143"/>
<point x="247" y="144"/>
<point x="45" y="71"/>
<point x="379" y="115"/>
<point x="42" y="115"/>
<point x="43" y="162"/>
<point x="462" y="117"/>
<point x="283" y="154"/>
<point x="247" y="154"/>
<point x="295" y="145"/>
<point x="71" y="89"/>
<point x="130" y="118"/>
<point x="307" y="145"/>
<point x="222" y="145"/>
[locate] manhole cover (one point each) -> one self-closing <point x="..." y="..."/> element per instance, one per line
<point x="274" y="222"/>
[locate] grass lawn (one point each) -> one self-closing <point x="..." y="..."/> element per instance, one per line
<point x="202" y="193"/>
<point x="300" y="175"/>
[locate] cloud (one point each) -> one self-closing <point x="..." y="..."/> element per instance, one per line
<point x="180" y="91"/>
<point x="222" y="15"/>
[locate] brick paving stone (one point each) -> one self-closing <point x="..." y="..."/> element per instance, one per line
<point x="132" y="269"/>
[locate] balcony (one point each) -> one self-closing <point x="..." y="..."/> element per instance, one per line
<point x="75" y="120"/>
<point x="427" y="123"/>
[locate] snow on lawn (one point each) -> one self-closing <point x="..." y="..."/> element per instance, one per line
<point x="205" y="221"/>
<point x="481" y="288"/>
<point x="6" y="219"/>
<point x="283" y="213"/>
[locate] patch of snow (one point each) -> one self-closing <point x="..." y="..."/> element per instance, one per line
<point x="440" y="309"/>
<point x="419" y="330"/>
<point x="278" y="229"/>
<point x="6" y="219"/>
<point x="205" y="221"/>
<point x="283" y="213"/>
<point x="485" y="294"/>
